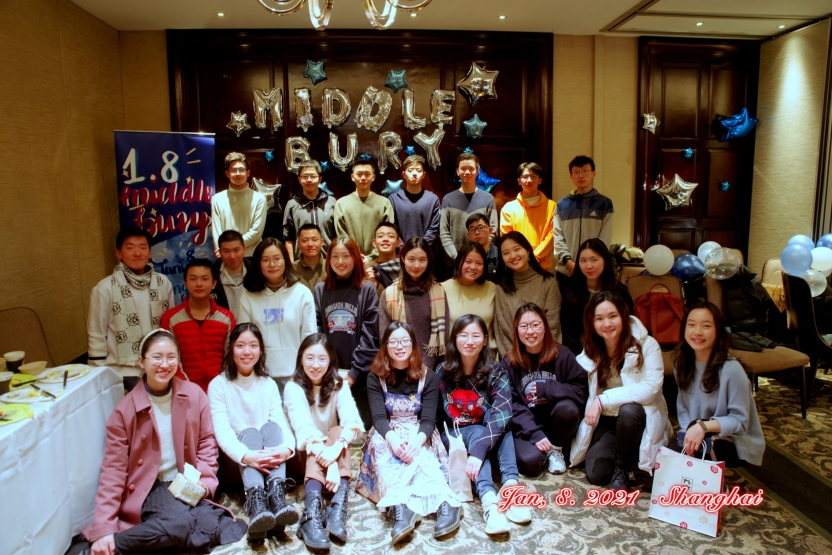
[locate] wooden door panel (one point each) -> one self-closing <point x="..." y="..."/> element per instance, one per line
<point x="727" y="91"/>
<point x="227" y="86"/>
<point x="673" y="162"/>
<point x="676" y="238"/>
<point x="680" y="102"/>
<point x="505" y="119"/>
<point x="725" y="237"/>
<point x="724" y="167"/>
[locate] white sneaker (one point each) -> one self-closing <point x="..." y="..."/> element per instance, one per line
<point x="517" y="513"/>
<point x="495" y="521"/>
<point x="555" y="463"/>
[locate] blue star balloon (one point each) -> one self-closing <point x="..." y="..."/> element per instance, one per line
<point x="485" y="182"/>
<point x="365" y="157"/>
<point x="315" y="71"/>
<point x="269" y="155"/>
<point x="324" y="165"/>
<point x="474" y="127"/>
<point x="392" y="187"/>
<point x="325" y="189"/>
<point x="409" y="150"/>
<point x="736" y="126"/>
<point x="724" y="186"/>
<point x="468" y="150"/>
<point x="688" y="153"/>
<point x="396" y="80"/>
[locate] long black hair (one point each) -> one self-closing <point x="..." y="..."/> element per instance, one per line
<point x="507" y="274"/>
<point x="452" y="366"/>
<point x="426" y="279"/>
<point x="595" y="347"/>
<point x="255" y="281"/>
<point x="463" y="252"/>
<point x="229" y="367"/>
<point x="684" y="359"/>
<point x="607" y="279"/>
<point x="331" y="380"/>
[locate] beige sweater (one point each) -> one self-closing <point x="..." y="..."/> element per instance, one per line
<point x="243" y="211"/>
<point x="531" y="288"/>
<point x="474" y="299"/>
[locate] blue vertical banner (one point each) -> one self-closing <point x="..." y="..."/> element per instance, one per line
<point x="165" y="185"/>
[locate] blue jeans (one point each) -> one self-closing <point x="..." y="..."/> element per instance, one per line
<point x="503" y="455"/>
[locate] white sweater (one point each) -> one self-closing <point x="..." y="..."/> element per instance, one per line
<point x="246" y="402"/>
<point x="161" y="411"/>
<point x="243" y="211"/>
<point x="312" y="423"/>
<point x="285" y="317"/>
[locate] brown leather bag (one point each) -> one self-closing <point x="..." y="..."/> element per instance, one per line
<point x="661" y="313"/>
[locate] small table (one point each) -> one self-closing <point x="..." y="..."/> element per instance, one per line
<point x="50" y="464"/>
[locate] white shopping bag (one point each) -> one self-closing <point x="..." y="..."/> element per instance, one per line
<point x="698" y="476"/>
<point x="457" y="463"/>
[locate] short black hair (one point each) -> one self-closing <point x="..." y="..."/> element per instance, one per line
<point x="307" y="227"/>
<point x="387" y="224"/>
<point x="314" y="164"/>
<point x="199" y="263"/>
<point x="131" y="231"/>
<point x="476" y="217"/>
<point x="359" y="162"/>
<point x="230" y="235"/>
<point x="535" y="168"/>
<point x="467" y="156"/>
<point x="580" y="162"/>
<point x="235" y="157"/>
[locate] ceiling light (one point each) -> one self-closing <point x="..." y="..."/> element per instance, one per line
<point x="699" y="24"/>
<point x="782" y="27"/>
<point x="221" y="14"/>
<point x="413" y="15"/>
<point x="320" y="10"/>
<point x="502" y="17"/>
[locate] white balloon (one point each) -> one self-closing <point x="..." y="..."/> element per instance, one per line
<point x="816" y="281"/>
<point x="827" y="273"/>
<point x="705" y="248"/>
<point x="821" y="259"/>
<point x="658" y="260"/>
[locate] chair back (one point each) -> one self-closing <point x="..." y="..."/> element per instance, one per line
<point x="639" y="285"/>
<point x="714" y="293"/>
<point x="772" y="272"/>
<point x="20" y="330"/>
<point x="626" y="272"/>
<point x="801" y="310"/>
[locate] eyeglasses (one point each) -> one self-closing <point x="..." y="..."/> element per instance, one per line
<point x="308" y="177"/>
<point x="159" y="360"/>
<point x="530" y="177"/>
<point x="237" y="171"/>
<point x="581" y="172"/>
<point x="475" y="337"/>
<point x="400" y="343"/>
<point x="534" y="326"/>
<point x="477" y="229"/>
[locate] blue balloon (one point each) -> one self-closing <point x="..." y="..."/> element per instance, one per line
<point x="796" y="259"/>
<point x="485" y="182"/>
<point x="802" y="240"/>
<point x="825" y="241"/>
<point x="688" y="267"/>
<point x="736" y="126"/>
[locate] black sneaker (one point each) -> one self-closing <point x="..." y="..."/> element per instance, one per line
<point x="620" y="478"/>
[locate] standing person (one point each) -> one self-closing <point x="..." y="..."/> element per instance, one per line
<point x="400" y="468"/>
<point x="311" y="264"/>
<point x="468" y="292"/>
<point x="595" y="272"/>
<point x="133" y="290"/>
<point x="715" y="403"/>
<point x="309" y="206"/>
<point x="548" y="390"/>
<point x="479" y="231"/>
<point x="239" y="207"/>
<point x="416" y="210"/>
<point x="358" y="214"/>
<point x="532" y="214"/>
<point x="230" y="270"/>
<point x="200" y="325"/>
<point x="385" y="269"/>
<point x="279" y="305"/>
<point x="476" y="396"/>
<point x="626" y="416"/>
<point x="152" y="433"/>
<point x="252" y="430"/>
<point x="522" y="281"/>
<point x="458" y="205"/>
<point x="326" y="421"/>
<point x="583" y="214"/>
<point x="347" y="309"/>
<point x="417" y="299"/>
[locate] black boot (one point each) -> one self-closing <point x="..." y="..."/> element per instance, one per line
<point x="447" y="519"/>
<point x="336" y="515"/>
<point x="404" y="522"/>
<point x="311" y="529"/>
<point x="260" y="518"/>
<point x="620" y="476"/>
<point x="284" y="514"/>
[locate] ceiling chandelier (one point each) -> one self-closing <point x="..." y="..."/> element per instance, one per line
<point x="320" y="10"/>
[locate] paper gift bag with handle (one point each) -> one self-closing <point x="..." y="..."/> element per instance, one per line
<point x="698" y="476"/>
<point x="457" y="462"/>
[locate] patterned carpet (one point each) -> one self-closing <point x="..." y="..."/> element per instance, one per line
<point x="577" y="530"/>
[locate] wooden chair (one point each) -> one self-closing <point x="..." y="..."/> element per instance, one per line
<point x="772" y="272"/>
<point x="767" y="360"/>
<point x="639" y="285"/>
<point x="626" y="272"/>
<point x="20" y="330"/>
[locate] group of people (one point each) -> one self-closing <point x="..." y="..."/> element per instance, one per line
<point x="298" y="347"/>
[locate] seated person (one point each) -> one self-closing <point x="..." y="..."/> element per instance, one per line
<point x="311" y="264"/>
<point x="384" y="270"/>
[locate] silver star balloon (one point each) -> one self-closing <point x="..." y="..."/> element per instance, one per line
<point x="238" y="122"/>
<point x="479" y="84"/>
<point x="650" y="122"/>
<point x="474" y="127"/>
<point x="677" y="192"/>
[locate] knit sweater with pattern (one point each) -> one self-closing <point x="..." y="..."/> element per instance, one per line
<point x="455" y="211"/>
<point x="531" y="288"/>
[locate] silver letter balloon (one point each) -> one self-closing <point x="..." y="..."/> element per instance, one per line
<point x="389" y="145"/>
<point x="411" y="120"/>
<point x="440" y="105"/>
<point x="372" y="97"/>
<point x="297" y="151"/>
<point x="342" y="163"/>
<point x="331" y="117"/>
<point x="265" y="103"/>
<point x="303" y="109"/>
<point x="431" y="146"/>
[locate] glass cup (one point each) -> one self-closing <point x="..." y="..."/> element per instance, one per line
<point x="14" y="360"/>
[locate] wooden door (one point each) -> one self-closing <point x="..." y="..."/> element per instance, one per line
<point x="689" y="85"/>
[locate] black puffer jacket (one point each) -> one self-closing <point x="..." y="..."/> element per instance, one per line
<point x="751" y="312"/>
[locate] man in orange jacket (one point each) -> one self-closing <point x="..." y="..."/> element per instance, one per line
<point x="532" y="214"/>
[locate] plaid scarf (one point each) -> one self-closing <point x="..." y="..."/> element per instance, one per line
<point x="394" y="297"/>
<point x="125" y="317"/>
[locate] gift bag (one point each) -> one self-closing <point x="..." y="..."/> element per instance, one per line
<point x="457" y="462"/>
<point x="697" y="476"/>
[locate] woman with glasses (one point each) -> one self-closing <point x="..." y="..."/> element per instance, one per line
<point x="468" y="292"/>
<point x="522" y="281"/>
<point x="476" y="397"/>
<point x="134" y="510"/>
<point x="626" y="416"/>
<point x="405" y="466"/>
<point x="279" y="305"/>
<point x="417" y="299"/>
<point x="548" y="391"/>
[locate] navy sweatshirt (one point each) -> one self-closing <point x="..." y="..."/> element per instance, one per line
<point x="416" y="215"/>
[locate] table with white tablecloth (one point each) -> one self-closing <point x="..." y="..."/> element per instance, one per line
<point x="49" y="465"/>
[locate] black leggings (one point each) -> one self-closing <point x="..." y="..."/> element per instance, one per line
<point x="559" y="424"/>
<point x="615" y="438"/>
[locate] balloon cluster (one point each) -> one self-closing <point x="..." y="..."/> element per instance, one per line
<point x="813" y="262"/>
<point x="710" y="259"/>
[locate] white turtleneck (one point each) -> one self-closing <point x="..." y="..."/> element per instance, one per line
<point x="161" y="410"/>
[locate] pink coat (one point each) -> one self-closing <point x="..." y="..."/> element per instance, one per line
<point x="133" y="454"/>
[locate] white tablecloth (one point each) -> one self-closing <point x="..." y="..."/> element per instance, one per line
<point x="49" y="465"/>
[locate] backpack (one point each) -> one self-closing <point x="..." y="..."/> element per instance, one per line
<point x="661" y="313"/>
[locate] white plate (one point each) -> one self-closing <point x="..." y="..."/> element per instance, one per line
<point x="29" y="395"/>
<point x="56" y="375"/>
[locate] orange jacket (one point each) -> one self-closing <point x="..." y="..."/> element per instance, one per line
<point x="536" y="223"/>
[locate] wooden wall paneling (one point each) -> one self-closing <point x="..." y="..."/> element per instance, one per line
<point x="679" y="102"/>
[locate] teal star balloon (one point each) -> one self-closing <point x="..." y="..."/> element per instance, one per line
<point x="365" y="157"/>
<point x="325" y="189"/>
<point x="324" y="165"/>
<point x="269" y="155"/>
<point x="392" y="187"/>
<point x="474" y="127"/>
<point x="314" y="71"/>
<point x="468" y="150"/>
<point x="409" y="150"/>
<point x="396" y="80"/>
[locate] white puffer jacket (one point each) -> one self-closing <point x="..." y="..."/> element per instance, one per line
<point x="642" y="385"/>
